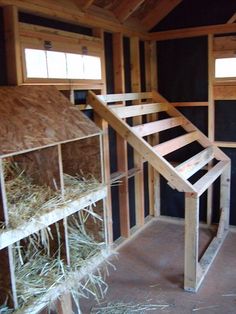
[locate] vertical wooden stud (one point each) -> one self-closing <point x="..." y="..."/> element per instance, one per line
<point x="119" y="84"/>
<point x="98" y="32"/>
<point x="138" y="162"/>
<point x="13" y="49"/>
<point x="225" y="195"/>
<point x="191" y="242"/>
<point x="151" y="84"/>
<point x="211" y="120"/>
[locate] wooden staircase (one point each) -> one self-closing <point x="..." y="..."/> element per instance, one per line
<point x="210" y="158"/>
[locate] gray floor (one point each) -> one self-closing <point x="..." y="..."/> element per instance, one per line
<point x="150" y="269"/>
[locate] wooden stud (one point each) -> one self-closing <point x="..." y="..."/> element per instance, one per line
<point x="211" y="120"/>
<point x="225" y="195"/>
<point x="122" y="162"/>
<point x="191" y="242"/>
<point x="12" y="40"/>
<point x="136" y="87"/>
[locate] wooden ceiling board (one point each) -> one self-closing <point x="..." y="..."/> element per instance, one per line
<point x="33" y="117"/>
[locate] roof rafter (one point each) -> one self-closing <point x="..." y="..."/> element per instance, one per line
<point x="232" y="19"/>
<point x="126" y="8"/>
<point x="83" y="4"/>
<point x="161" y="10"/>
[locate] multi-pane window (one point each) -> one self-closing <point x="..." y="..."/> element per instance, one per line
<point x="61" y="65"/>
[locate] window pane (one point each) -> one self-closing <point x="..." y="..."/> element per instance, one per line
<point x="35" y="63"/>
<point x="56" y="64"/>
<point x="74" y="66"/>
<point x="92" y="67"/>
<point x="225" y="67"/>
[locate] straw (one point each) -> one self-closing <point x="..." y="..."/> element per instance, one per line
<point x="27" y="200"/>
<point x="127" y="308"/>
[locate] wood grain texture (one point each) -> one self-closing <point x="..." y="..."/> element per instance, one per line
<point x="38" y="116"/>
<point x="42" y="166"/>
<point x="83" y="155"/>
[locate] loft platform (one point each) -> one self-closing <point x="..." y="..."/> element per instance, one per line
<point x="51" y="153"/>
<point x="210" y="158"/>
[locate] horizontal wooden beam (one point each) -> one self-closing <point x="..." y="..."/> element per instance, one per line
<point x="125" y="97"/>
<point x="139" y="110"/>
<point x="176" y="143"/>
<point x="126" y="8"/>
<point x="193" y="32"/>
<point x="160" y="10"/>
<point x="190" y="104"/>
<point x="224" y="92"/>
<point x="69" y="13"/>
<point x="203" y="184"/>
<point x="8" y="237"/>
<point x="157" y="126"/>
<point x="195" y="163"/>
<point x="225" y="144"/>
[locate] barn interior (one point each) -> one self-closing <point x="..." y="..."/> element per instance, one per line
<point x="117" y="156"/>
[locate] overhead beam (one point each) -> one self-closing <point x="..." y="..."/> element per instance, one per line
<point x="232" y="19"/>
<point x="194" y="32"/>
<point x="126" y="8"/>
<point x="87" y="4"/>
<point x="69" y="13"/>
<point x="161" y="10"/>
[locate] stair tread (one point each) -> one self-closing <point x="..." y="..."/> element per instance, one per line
<point x="176" y="143"/>
<point x="157" y="126"/>
<point x="195" y="163"/>
<point x="202" y="184"/>
<point x="139" y="110"/>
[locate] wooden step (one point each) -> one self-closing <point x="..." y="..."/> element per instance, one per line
<point x="139" y="110"/>
<point x="157" y="126"/>
<point x="203" y="184"/>
<point x="195" y="163"/>
<point x="176" y="143"/>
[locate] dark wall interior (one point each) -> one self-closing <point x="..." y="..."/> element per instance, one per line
<point x="183" y="76"/>
<point x="199" y="13"/>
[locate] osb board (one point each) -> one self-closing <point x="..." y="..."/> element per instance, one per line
<point x="42" y="166"/>
<point x="83" y="155"/>
<point x="37" y="116"/>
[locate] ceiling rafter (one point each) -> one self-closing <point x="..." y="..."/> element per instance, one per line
<point x="84" y="4"/>
<point x="232" y="19"/>
<point x="161" y="10"/>
<point x="126" y="8"/>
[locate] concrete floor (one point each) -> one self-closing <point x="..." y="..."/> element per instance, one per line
<point x="150" y="269"/>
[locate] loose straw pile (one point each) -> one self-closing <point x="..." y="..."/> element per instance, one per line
<point x="27" y="200"/>
<point x="38" y="273"/>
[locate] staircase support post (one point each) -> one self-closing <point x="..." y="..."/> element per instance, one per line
<point x="191" y="241"/>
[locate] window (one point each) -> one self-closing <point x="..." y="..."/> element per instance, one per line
<point x="225" y="67"/>
<point x="61" y="65"/>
